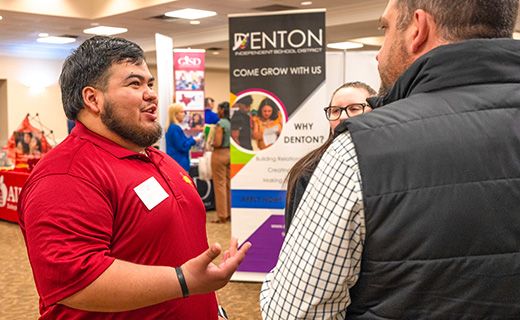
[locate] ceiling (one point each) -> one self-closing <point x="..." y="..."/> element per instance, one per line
<point x="23" y="20"/>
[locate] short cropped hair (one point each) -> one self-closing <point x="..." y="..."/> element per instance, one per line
<point x="459" y="20"/>
<point x="88" y="66"/>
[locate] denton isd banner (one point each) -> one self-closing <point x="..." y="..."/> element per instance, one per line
<point x="277" y="73"/>
<point x="188" y="68"/>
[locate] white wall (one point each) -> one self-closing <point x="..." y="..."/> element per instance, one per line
<point x="217" y="85"/>
<point x="19" y="74"/>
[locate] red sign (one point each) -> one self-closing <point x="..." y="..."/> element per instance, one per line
<point x="11" y="183"/>
<point x="191" y="60"/>
<point x="189" y="92"/>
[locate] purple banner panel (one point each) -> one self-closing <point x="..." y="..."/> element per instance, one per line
<point x="266" y="243"/>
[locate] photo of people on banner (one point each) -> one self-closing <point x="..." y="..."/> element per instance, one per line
<point x="189" y="93"/>
<point x="26" y="145"/>
<point x="257" y="120"/>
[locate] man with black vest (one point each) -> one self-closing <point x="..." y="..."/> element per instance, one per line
<point x="414" y="210"/>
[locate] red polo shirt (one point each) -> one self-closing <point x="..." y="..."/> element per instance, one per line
<point x="79" y="211"/>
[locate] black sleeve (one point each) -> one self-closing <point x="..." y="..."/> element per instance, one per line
<point x="295" y="198"/>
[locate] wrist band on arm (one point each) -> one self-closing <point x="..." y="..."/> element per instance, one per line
<point x="182" y="282"/>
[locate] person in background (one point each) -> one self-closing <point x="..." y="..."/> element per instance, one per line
<point x="241" y="123"/>
<point x="177" y="144"/>
<point x="70" y="125"/>
<point x="210" y="117"/>
<point x="268" y="116"/>
<point x="114" y="228"/>
<point x="413" y="211"/>
<point x="347" y="101"/>
<point x="196" y="121"/>
<point x="221" y="165"/>
<point x="24" y="144"/>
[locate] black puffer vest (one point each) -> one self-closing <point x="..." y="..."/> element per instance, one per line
<point x="440" y="166"/>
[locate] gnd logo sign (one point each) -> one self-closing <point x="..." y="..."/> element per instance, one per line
<point x="189" y="61"/>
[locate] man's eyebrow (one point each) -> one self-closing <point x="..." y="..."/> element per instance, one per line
<point x="140" y="77"/>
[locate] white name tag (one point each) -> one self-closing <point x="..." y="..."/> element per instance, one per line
<point x="151" y="193"/>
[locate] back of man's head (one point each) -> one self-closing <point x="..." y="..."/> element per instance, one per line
<point x="208" y="103"/>
<point x="458" y="20"/>
<point x="247" y="101"/>
<point x="88" y="65"/>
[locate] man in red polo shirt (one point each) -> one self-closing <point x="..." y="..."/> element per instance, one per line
<point x="114" y="228"/>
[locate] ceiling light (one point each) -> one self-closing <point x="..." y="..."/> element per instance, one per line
<point x="1" y="18"/>
<point x="215" y="53"/>
<point x="516" y="35"/>
<point x="190" y="14"/>
<point x="344" y="45"/>
<point x="194" y="22"/>
<point x="43" y="35"/>
<point x="56" y="40"/>
<point x="306" y="3"/>
<point x="106" y="31"/>
<point x="36" y="89"/>
<point x="370" y="41"/>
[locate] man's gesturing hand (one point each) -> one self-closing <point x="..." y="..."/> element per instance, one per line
<point x="203" y="276"/>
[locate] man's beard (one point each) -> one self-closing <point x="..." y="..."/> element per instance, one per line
<point x="139" y="136"/>
<point x="398" y="61"/>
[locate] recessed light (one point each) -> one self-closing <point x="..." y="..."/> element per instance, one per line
<point x="306" y="3"/>
<point x="516" y="35"/>
<point x="194" y="22"/>
<point x="106" y="31"/>
<point x="56" y="40"/>
<point x="36" y="89"/>
<point x="43" y="35"/>
<point x="216" y="53"/>
<point x="1" y="18"/>
<point x="190" y="14"/>
<point x="344" y="45"/>
<point x="370" y="41"/>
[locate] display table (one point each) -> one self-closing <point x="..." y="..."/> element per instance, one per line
<point x="11" y="183"/>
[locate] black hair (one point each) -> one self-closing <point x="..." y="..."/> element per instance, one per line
<point x="225" y="106"/>
<point x="89" y="65"/>
<point x="247" y="101"/>
<point x="270" y="103"/>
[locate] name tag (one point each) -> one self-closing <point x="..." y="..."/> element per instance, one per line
<point x="151" y="193"/>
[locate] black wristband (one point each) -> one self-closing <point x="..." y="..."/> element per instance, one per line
<point x="182" y="282"/>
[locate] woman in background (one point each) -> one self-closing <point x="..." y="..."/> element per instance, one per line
<point x="177" y="144"/>
<point x="221" y="166"/>
<point x="197" y="122"/>
<point x="347" y="101"/>
<point x="266" y="117"/>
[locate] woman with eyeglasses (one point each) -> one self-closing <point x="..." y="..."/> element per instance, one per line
<point x="347" y="101"/>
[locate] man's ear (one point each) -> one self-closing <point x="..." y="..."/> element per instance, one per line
<point x="424" y="32"/>
<point x="92" y="99"/>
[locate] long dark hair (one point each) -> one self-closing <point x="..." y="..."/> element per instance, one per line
<point x="306" y="165"/>
<point x="270" y="103"/>
<point x="225" y="106"/>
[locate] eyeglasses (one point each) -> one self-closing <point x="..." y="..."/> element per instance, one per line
<point x="334" y="113"/>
